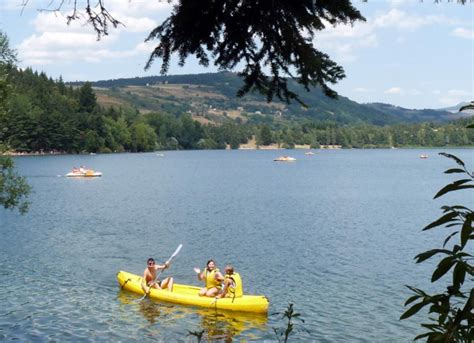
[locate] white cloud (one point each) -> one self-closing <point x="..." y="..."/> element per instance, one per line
<point x="397" y="18"/>
<point x="463" y="33"/>
<point x="56" y="22"/>
<point x="145" y="47"/>
<point x="56" y="42"/>
<point x="343" y="51"/>
<point x="137" y="8"/>
<point x="400" y="91"/>
<point x="359" y="29"/>
<point x="343" y="41"/>
<point x="402" y="20"/>
<point x="368" y="41"/>
<point x="133" y="24"/>
<point x="60" y="47"/>
<point x="393" y="90"/>
<point x="455" y="96"/>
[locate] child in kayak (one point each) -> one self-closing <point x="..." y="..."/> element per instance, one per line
<point x="231" y="283"/>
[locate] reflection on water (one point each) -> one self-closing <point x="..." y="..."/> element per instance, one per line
<point x="212" y="324"/>
<point x="222" y="325"/>
<point x="150" y="311"/>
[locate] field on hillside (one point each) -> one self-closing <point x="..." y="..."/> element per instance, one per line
<point x="203" y="103"/>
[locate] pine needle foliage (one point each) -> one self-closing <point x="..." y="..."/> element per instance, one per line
<point x="266" y="36"/>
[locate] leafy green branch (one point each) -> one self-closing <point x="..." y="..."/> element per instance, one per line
<point x="289" y="315"/>
<point x="14" y="189"/>
<point x="450" y="312"/>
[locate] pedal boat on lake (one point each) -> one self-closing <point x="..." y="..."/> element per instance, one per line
<point x="284" y="159"/>
<point x="189" y="295"/>
<point x="81" y="172"/>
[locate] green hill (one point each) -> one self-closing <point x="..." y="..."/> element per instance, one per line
<point x="416" y="116"/>
<point x="212" y="95"/>
<point x="43" y="115"/>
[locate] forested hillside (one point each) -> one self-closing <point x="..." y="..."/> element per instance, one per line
<point x="43" y="114"/>
<point x="149" y="93"/>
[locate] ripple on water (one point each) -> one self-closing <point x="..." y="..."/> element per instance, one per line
<point x="335" y="236"/>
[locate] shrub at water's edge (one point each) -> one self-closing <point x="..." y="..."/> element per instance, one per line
<point x="14" y="189"/>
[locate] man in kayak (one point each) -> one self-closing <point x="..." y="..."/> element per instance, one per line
<point x="212" y="277"/>
<point x="230" y="282"/>
<point x="149" y="277"/>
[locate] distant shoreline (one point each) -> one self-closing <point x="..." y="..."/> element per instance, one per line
<point x="33" y="153"/>
<point x="242" y="147"/>
<point x="278" y="147"/>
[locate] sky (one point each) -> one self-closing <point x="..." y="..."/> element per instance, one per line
<point x="408" y="53"/>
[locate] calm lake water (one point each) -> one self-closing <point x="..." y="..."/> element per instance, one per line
<point x="334" y="233"/>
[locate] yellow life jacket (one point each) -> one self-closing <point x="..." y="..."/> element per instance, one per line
<point x="210" y="277"/>
<point x="237" y="290"/>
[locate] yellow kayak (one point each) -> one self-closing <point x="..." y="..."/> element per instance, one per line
<point x="188" y="295"/>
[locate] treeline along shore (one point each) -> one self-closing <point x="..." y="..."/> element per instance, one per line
<point x="46" y="116"/>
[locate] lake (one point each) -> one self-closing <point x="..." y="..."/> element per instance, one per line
<point x="334" y="233"/>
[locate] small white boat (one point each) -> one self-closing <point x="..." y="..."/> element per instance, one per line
<point x="423" y="156"/>
<point x="81" y="172"/>
<point x="309" y="153"/>
<point x="284" y="159"/>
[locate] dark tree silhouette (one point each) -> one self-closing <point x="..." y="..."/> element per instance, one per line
<point x="267" y="36"/>
<point x="274" y="34"/>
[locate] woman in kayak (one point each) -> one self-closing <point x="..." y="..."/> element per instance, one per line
<point x="212" y="277"/>
<point x="149" y="277"/>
